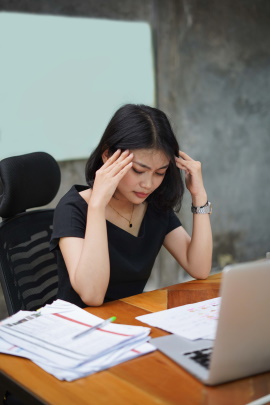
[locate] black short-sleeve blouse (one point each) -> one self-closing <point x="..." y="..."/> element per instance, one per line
<point x="131" y="257"/>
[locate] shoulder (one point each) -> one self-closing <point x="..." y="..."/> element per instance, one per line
<point x="71" y="204"/>
<point x="72" y="198"/>
<point x="74" y="195"/>
<point x="86" y="194"/>
<point x="70" y="215"/>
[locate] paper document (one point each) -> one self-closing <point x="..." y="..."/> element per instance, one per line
<point x="192" y="321"/>
<point x="46" y="337"/>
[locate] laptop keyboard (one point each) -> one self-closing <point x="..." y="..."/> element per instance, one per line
<point x="201" y="356"/>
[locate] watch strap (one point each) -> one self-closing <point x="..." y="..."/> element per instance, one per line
<point x="204" y="209"/>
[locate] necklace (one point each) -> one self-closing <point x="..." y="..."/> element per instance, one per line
<point x="128" y="220"/>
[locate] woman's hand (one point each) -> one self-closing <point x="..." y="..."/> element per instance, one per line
<point x="193" y="176"/>
<point x="109" y="175"/>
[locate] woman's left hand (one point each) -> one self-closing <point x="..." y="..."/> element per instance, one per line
<point x="194" y="179"/>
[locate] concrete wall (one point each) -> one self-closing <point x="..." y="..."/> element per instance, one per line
<point x="223" y="117"/>
<point x="213" y="80"/>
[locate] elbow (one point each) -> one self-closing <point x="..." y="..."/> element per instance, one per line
<point x="203" y="269"/>
<point x="199" y="272"/>
<point x="92" y="302"/>
<point x="203" y="274"/>
<point x="95" y="300"/>
<point x="91" y="297"/>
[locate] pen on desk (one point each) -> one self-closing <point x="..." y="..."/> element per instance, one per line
<point x="93" y="328"/>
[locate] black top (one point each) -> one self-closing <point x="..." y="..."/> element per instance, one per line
<point x="131" y="257"/>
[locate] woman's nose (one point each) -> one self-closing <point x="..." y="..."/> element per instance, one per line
<point x="146" y="182"/>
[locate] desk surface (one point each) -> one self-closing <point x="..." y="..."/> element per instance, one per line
<point x="151" y="379"/>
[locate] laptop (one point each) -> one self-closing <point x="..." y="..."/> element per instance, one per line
<point x="242" y="344"/>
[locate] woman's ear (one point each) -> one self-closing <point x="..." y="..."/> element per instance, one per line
<point x="105" y="156"/>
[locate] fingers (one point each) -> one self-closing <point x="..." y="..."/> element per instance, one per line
<point x="112" y="158"/>
<point x="186" y="163"/>
<point x="116" y="163"/>
<point x="193" y="177"/>
<point x="121" y="162"/>
<point x="184" y="155"/>
<point x="108" y="175"/>
<point x="123" y="171"/>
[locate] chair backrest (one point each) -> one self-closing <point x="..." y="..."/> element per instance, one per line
<point x="28" y="270"/>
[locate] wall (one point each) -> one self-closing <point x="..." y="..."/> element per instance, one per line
<point x="212" y="65"/>
<point x="224" y="62"/>
<point x="213" y="80"/>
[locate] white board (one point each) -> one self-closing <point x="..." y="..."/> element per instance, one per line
<point x="62" y="78"/>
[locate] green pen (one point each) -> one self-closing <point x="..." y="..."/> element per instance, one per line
<point x="93" y="328"/>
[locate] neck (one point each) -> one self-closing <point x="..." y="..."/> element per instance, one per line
<point x="118" y="202"/>
<point x="123" y="206"/>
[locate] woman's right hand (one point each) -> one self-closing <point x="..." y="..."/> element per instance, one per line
<point x="108" y="177"/>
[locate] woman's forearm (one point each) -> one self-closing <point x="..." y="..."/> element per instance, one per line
<point x="87" y="260"/>
<point x="93" y="270"/>
<point x="199" y="253"/>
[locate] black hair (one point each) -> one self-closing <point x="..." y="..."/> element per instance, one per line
<point x="142" y="127"/>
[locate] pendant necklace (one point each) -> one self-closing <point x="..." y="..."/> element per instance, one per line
<point x="128" y="220"/>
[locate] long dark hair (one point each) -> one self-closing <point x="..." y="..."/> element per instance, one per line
<point x="142" y="127"/>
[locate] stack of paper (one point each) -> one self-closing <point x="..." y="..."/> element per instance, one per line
<point x="47" y="338"/>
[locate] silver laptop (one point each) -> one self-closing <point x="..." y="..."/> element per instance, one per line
<point x="242" y="344"/>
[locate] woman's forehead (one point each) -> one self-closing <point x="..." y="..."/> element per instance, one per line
<point x="151" y="158"/>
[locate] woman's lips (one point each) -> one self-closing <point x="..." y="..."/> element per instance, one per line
<point x="141" y="195"/>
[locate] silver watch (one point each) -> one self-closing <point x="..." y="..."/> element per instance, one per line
<point x="205" y="209"/>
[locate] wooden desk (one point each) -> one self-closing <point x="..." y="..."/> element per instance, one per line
<point x="151" y="379"/>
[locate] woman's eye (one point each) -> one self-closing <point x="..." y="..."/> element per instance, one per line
<point x="137" y="171"/>
<point x="161" y="174"/>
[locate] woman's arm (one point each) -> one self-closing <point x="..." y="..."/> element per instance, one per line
<point x="87" y="260"/>
<point x="193" y="254"/>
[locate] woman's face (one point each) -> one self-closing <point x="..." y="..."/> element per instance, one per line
<point x="145" y="176"/>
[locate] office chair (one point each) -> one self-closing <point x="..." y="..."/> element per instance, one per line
<point x="28" y="271"/>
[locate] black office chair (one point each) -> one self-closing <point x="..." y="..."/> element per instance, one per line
<point x="28" y="271"/>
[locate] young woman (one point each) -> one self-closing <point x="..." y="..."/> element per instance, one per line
<point x="107" y="235"/>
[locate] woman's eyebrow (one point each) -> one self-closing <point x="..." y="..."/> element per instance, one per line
<point x="147" y="167"/>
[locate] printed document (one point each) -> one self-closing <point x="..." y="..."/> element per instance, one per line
<point x="46" y="337"/>
<point x="192" y="321"/>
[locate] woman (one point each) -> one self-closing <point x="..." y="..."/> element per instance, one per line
<point x="107" y="235"/>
